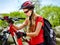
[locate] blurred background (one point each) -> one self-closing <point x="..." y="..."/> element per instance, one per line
<point x="49" y="9"/>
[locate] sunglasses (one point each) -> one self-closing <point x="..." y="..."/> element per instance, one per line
<point x="26" y="11"/>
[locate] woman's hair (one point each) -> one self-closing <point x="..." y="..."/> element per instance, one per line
<point x="30" y="18"/>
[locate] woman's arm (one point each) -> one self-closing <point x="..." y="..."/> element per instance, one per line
<point x="22" y="25"/>
<point x="38" y="28"/>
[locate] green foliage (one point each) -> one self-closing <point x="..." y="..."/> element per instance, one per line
<point x="5" y="14"/>
<point x="15" y="14"/>
<point x="52" y="13"/>
<point x="3" y="23"/>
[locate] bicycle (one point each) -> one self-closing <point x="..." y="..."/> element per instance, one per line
<point x="11" y="31"/>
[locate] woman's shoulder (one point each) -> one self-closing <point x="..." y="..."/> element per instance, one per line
<point x="27" y="19"/>
<point x="39" y="16"/>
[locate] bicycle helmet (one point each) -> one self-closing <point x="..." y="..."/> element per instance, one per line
<point x="27" y="5"/>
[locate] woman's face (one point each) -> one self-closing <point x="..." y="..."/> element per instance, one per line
<point x="27" y="12"/>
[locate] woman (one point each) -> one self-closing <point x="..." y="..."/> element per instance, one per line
<point x="34" y="24"/>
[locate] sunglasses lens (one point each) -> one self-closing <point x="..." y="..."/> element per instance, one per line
<point x="26" y="11"/>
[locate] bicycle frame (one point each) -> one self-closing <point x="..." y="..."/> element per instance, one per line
<point x="12" y="31"/>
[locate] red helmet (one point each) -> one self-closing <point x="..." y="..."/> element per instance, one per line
<point x="27" y="5"/>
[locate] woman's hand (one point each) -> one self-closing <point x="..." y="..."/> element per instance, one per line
<point x="20" y="34"/>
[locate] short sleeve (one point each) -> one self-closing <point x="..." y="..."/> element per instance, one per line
<point x="40" y="19"/>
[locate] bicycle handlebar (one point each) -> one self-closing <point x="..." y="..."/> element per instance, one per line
<point x="15" y="19"/>
<point x="12" y="28"/>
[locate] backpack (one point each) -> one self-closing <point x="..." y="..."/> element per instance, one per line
<point x="49" y="34"/>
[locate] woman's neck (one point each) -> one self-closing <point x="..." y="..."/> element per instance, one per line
<point x="34" y="16"/>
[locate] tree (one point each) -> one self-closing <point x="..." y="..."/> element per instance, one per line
<point x="37" y="5"/>
<point x="52" y="13"/>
